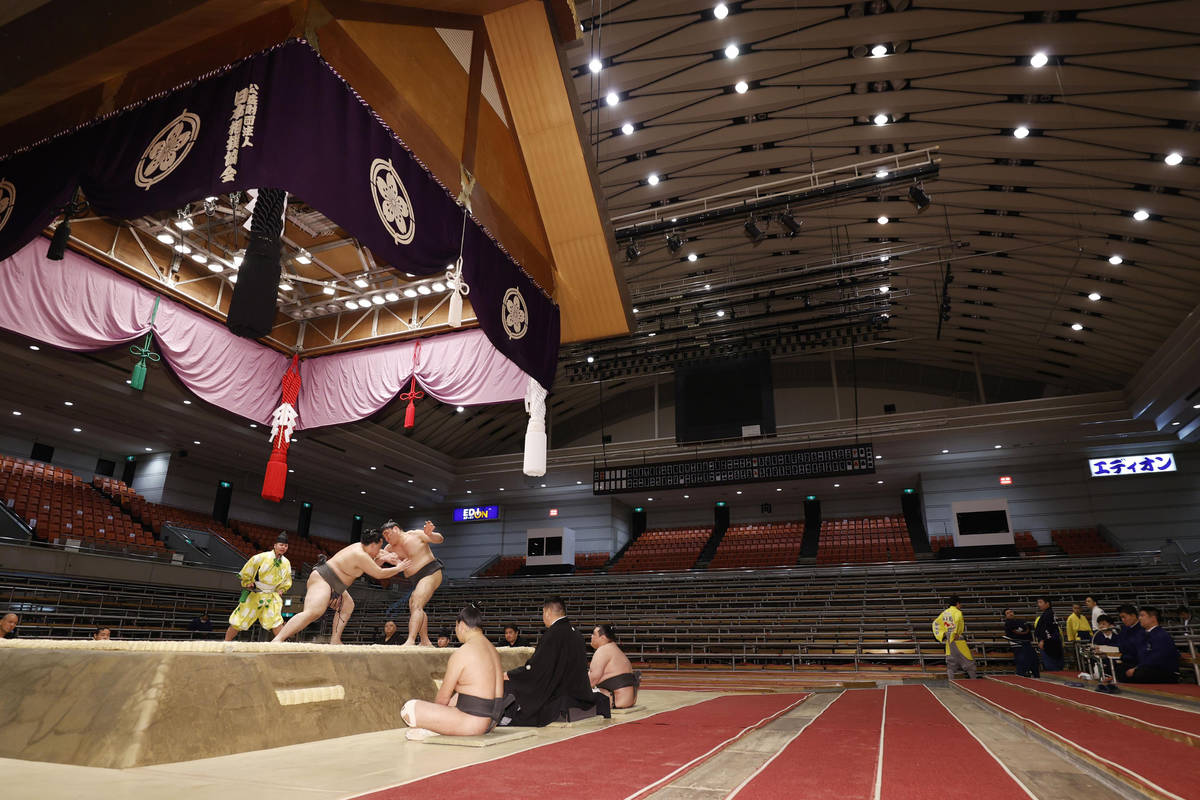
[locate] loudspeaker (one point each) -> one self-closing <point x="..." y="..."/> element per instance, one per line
<point x="765" y="508"/>
<point x="128" y="470"/>
<point x="42" y="452"/>
<point x="221" y="501"/>
<point x="721" y="516"/>
<point x="252" y="309"/>
<point x="305" y="521"/>
<point x="106" y="467"/>
<point x="356" y="528"/>
<point x="889" y="408"/>
<point x="637" y="524"/>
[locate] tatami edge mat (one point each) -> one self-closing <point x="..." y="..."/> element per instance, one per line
<point x="499" y="736"/>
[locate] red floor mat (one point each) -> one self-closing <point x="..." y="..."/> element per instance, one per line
<point x="1171" y="718"/>
<point x="928" y="753"/>
<point x="1146" y="758"/>
<point x="612" y="763"/>
<point x="834" y="757"/>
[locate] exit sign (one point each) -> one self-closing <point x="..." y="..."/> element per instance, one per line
<point x="1005" y="480"/>
<point x="554" y="512"/>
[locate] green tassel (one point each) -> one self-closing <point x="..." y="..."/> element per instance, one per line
<point x="138" y="379"/>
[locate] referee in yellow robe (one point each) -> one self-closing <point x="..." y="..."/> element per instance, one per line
<point x="950" y="628"/>
<point x="265" y="577"/>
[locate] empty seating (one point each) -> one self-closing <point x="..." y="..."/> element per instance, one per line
<point x="864" y="540"/>
<point x="300" y="549"/>
<point x="1081" y="542"/>
<point x="1025" y="542"/>
<point x="586" y="563"/>
<point x="503" y="566"/>
<point x="664" y="550"/>
<point x="772" y="544"/>
<point x="938" y="542"/>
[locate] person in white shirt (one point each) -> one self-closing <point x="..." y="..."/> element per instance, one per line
<point x="1096" y="611"/>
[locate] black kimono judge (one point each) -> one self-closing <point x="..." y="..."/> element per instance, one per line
<point x="555" y="679"/>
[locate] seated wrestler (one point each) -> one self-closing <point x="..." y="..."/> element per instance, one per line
<point x="329" y="580"/>
<point x="472" y="695"/>
<point x="553" y="684"/>
<point x="611" y="671"/>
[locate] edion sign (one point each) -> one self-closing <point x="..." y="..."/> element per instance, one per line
<point x="476" y="513"/>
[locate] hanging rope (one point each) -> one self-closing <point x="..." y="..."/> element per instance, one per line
<point x="454" y="281"/>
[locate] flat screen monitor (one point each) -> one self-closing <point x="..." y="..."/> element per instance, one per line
<point x="727" y="399"/>
<point x="979" y="523"/>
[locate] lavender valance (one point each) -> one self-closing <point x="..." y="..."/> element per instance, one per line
<point x="79" y="305"/>
<point x="283" y="119"/>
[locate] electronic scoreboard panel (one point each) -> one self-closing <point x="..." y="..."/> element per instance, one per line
<point x="816" y="462"/>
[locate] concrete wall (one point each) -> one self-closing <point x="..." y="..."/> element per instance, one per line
<point x="150" y="477"/>
<point x="1141" y="511"/>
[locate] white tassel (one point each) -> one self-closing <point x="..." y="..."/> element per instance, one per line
<point x="535" y="434"/>
<point x="459" y="289"/>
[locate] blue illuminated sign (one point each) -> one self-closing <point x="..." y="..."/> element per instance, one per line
<point x="476" y="513"/>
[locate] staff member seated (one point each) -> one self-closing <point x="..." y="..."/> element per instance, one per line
<point x="611" y="672"/>
<point x="472" y="695"/>
<point x="1129" y="638"/>
<point x="1158" y="657"/>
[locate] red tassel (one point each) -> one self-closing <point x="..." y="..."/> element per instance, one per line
<point x="410" y="415"/>
<point x="275" y="479"/>
<point x="413" y="394"/>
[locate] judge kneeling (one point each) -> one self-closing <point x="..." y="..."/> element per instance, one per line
<point x="472" y="695"/>
<point x="554" y="683"/>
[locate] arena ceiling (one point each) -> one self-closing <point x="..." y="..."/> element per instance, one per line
<point x="1041" y="175"/>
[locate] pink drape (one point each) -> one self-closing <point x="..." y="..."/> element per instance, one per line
<point x="461" y="368"/>
<point x="77" y="304"/>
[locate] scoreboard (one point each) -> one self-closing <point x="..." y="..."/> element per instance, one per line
<point x="817" y="462"/>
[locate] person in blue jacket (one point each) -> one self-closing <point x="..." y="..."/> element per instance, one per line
<point x="1129" y="638"/>
<point x="1158" y="657"/>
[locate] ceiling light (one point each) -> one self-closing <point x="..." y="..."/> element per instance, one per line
<point x="468" y="491"/>
<point x="391" y="297"/>
<point x="200" y="258"/>
<point x="627" y="129"/>
<point x="731" y="51"/>
<point x="882" y="220"/>
<point x="1039" y="60"/>
<point x="1115" y="260"/>
<point x="361" y="282"/>
<point x="741" y="87"/>
<point x="720" y="11"/>
<point x="612" y="98"/>
<point x="692" y="256"/>
<point x="502" y="488"/>
<point x="778" y="489"/>
<point x="884" y="289"/>
<point x="1173" y="159"/>
<point x="303" y="257"/>
<point x="149" y="449"/>
<point x="945" y="451"/>
<point x="351" y="304"/>
<point x="253" y="424"/>
<point x="885" y="257"/>
<point x="595" y="65"/>
<point x="1075" y="326"/>
<point x="880" y="119"/>
<point x="184" y="224"/>
<point x="686" y="496"/>
<point x="652" y="333"/>
<point x="883" y="173"/>
<point x="34" y="347"/>
<point x="836" y="485"/>
<point x="216" y="266"/>
<point x="67" y="403"/>
<point x="1196" y="406"/>
<point x="720" y="313"/>
<point x="879" y="50"/>
<point x="438" y="286"/>
<point x="997" y="446"/>
<point x="459" y="409"/>
<point x="1141" y="215"/>
<point x="919" y="198"/>
<point x="423" y="289"/>
<point x="707" y="286"/>
<point x="635" y="311"/>
<point x="1176" y="423"/>
<point x="327" y="289"/>
<point x="1094" y="296"/>
<point x="1021" y="132"/>
<point x="195" y="441"/>
<point x="652" y="179"/>
<point x="410" y="292"/>
<point x="16" y="413"/>
<point x="543" y="486"/>
<point x="752" y="231"/>
<point x="182" y="248"/>
<point x="879" y="482"/>
<point x="166" y="238"/>
<point x="364" y="491"/>
<point x="285" y="286"/>
<point x="739" y="491"/>
<point x="233" y="278"/>
<point x="591" y="359"/>
<point x="187" y="402"/>
<point x="377" y="300"/>
<point x="77" y="430"/>
<point x="674" y="242"/>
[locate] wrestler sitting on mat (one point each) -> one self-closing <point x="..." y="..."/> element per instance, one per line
<point x="471" y="698"/>
<point x="329" y="581"/>
<point x="423" y="570"/>
<point x="610" y="671"/>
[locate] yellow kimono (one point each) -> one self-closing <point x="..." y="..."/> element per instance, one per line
<point x="1077" y="624"/>
<point x="949" y="627"/>
<point x="266" y="579"/>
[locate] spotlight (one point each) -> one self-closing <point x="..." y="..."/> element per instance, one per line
<point x="879" y="50"/>
<point x="883" y="173"/>
<point x="183" y="223"/>
<point x="720" y="313"/>
<point x="237" y="258"/>
<point x="674" y="242"/>
<point x="632" y="253"/>
<point x="361" y="282"/>
<point x="303" y="257"/>
<point x="1141" y="215"/>
<point x="1116" y="261"/>
<point x="1075" y="326"/>
<point x="423" y="289"/>
<point x="918" y="197"/>
<point x="741" y="87"/>
<point x="720" y="11"/>
<point x="692" y="256"/>
<point x="880" y="119"/>
<point x="351" y="304"/>
<point x="182" y="248"/>
<point x="216" y="266"/>
<point x="410" y="293"/>
<point x="884" y="289"/>
<point x="438" y="286"/>
<point x="753" y="232"/>
<point x="1094" y="296"/>
<point x="591" y="359"/>
<point x="652" y="179"/>
<point x="595" y="65"/>
<point x="1039" y="60"/>
<point x="327" y="289"/>
<point x="285" y="286"/>
<point x="200" y="258"/>
<point x="731" y="51"/>
<point x="166" y="238"/>
<point x="612" y="98"/>
<point x="377" y="300"/>
<point x="627" y="129"/>
<point x="1173" y="159"/>
<point x="1021" y="132"/>
<point x="391" y="297"/>
<point x="790" y="222"/>
<point x="882" y="220"/>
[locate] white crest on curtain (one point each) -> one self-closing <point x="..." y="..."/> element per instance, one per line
<point x="8" y="199"/>
<point x="391" y="201"/>
<point x="167" y="149"/>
